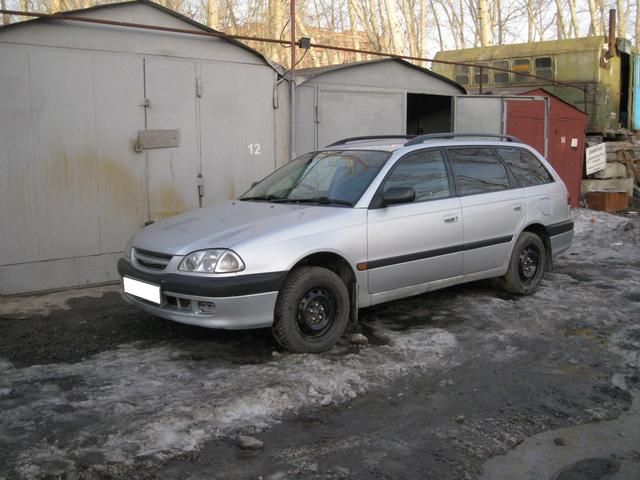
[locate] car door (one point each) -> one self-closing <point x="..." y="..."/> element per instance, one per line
<point x="536" y="182"/>
<point x="493" y="208"/>
<point x="418" y="242"/>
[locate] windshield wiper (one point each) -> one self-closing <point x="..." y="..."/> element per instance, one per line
<point x="322" y="200"/>
<point x="269" y="198"/>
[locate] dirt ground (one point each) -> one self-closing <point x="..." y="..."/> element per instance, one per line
<point x="463" y="383"/>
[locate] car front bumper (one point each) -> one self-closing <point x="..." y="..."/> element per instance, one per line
<point x="231" y="303"/>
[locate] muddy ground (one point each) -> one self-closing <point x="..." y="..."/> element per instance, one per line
<point x="463" y="383"/>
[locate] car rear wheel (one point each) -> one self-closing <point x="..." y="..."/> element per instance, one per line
<point x="526" y="266"/>
<point x="312" y="310"/>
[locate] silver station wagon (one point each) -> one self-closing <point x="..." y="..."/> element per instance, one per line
<point x="363" y="221"/>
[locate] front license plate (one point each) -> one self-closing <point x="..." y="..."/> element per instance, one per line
<point x="148" y="291"/>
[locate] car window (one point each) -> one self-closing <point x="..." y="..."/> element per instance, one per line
<point x="332" y="176"/>
<point x="423" y="171"/>
<point x="477" y="170"/>
<point x="527" y="169"/>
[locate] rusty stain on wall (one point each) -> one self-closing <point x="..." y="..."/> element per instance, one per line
<point x="166" y="202"/>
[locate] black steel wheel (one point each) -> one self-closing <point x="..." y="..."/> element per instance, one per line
<point x="312" y="310"/>
<point x="316" y="312"/>
<point x="529" y="263"/>
<point x="526" y="265"/>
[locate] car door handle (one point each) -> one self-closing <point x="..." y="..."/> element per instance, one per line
<point x="450" y="219"/>
<point x="517" y="208"/>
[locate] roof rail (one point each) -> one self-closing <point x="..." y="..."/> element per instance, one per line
<point x="435" y="136"/>
<point x="344" y="141"/>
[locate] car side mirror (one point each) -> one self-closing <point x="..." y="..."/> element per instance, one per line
<point x="397" y="195"/>
<point x="254" y="183"/>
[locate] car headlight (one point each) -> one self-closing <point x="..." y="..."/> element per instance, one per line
<point x="212" y="261"/>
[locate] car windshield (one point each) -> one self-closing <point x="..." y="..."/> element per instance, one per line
<point x="330" y="177"/>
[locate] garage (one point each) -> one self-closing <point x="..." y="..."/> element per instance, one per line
<point x="105" y="128"/>
<point x="563" y="133"/>
<point x="390" y="96"/>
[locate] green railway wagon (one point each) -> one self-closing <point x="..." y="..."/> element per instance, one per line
<point x="606" y="86"/>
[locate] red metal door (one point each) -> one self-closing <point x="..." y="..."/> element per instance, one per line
<point x="566" y="147"/>
<point x="525" y="120"/>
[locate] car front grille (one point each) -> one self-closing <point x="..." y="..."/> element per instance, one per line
<point x="154" y="260"/>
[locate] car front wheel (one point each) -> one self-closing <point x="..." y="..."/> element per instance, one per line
<point x="312" y="310"/>
<point x="526" y="266"/>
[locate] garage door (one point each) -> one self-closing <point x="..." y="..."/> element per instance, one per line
<point x="350" y="113"/>
<point x="237" y="124"/>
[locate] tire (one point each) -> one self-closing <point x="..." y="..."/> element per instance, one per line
<point x="312" y="310"/>
<point x="526" y="265"/>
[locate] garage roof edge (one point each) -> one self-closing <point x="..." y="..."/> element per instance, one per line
<point x="278" y="68"/>
<point x="313" y="72"/>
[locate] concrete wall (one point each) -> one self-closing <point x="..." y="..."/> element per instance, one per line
<point x="72" y="187"/>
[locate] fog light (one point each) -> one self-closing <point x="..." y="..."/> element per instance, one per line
<point x="207" y="307"/>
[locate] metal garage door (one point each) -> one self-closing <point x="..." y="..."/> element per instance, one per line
<point x="237" y="124"/>
<point x="72" y="186"/>
<point x="341" y="114"/>
<point x="170" y="87"/>
<point x="478" y="114"/>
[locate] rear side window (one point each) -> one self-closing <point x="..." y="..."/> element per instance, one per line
<point x="477" y="170"/>
<point x="527" y="169"/>
<point x="423" y="171"/>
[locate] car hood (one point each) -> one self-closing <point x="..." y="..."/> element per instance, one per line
<point x="225" y="224"/>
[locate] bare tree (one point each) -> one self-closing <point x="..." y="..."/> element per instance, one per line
<point x="637" y="25"/>
<point x="213" y="18"/>
<point x="351" y="7"/>
<point x="5" y="16"/>
<point x="497" y="24"/>
<point x="484" y="22"/>
<point x="408" y="13"/>
<point x="574" y="19"/>
<point x="623" y="11"/>
<point x="436" y="21"/>
<point x="393" y="25"/>
<point x="560" y="25"/>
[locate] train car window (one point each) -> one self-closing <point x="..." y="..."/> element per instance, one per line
<point x="500" y="78"/>
<point x="544" y="67"/>
<point x="461" y="72"/>
<point x="521" y="65"/>
<point x="477" y="78"/>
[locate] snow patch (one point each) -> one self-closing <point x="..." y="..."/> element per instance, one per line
<point x="134" y="404"/>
